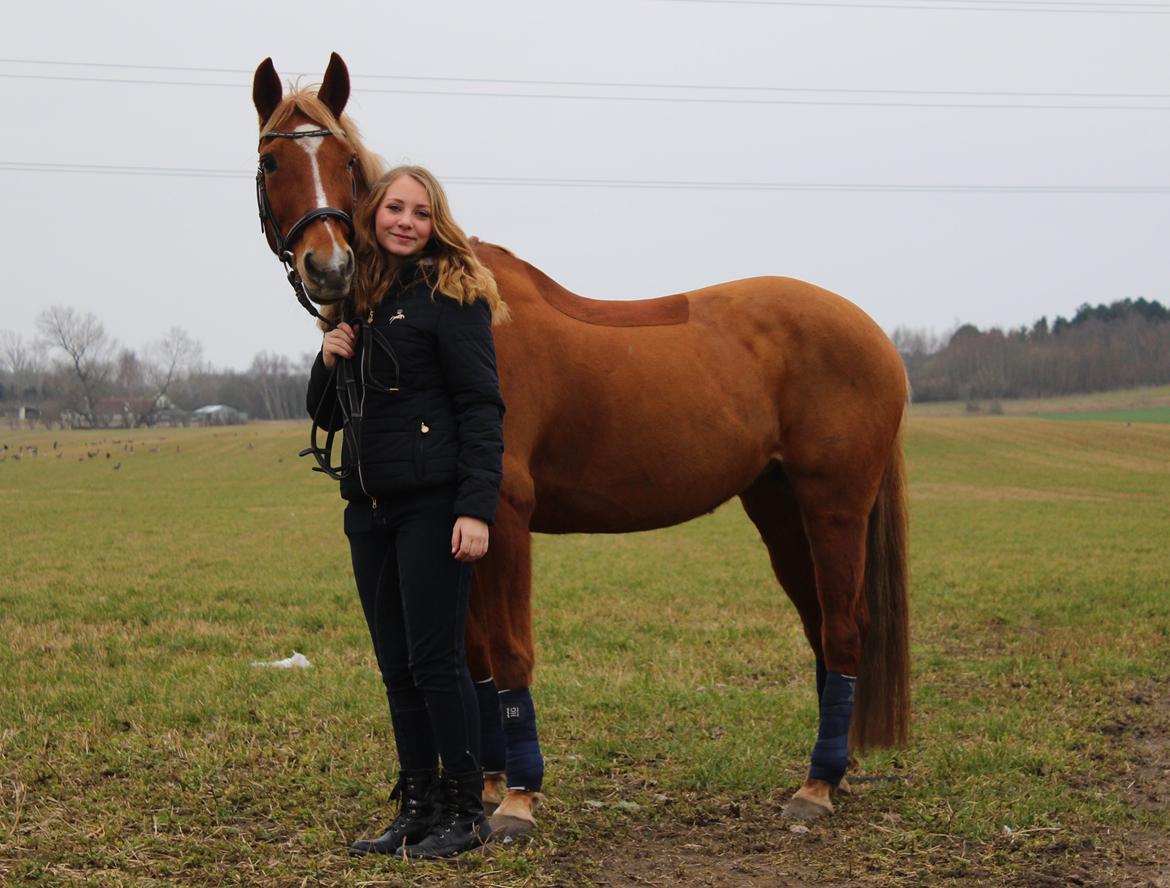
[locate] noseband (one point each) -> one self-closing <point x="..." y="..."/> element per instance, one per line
<point x="281" y="243"/>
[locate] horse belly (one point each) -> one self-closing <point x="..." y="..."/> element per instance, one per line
<point x="641" y="484"/>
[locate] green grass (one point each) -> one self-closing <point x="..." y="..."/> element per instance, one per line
<point x="1146" y="414"/>
<point x="139" y="747"/>
<point x="1154" y="399"/>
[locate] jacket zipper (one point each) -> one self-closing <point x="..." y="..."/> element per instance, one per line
<point x="397" y="316"/>
<point x="419" y="463"/>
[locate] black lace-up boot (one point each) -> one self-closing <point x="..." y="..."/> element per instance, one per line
<point x="462" y="826"/>
<point x="417" y="794"/>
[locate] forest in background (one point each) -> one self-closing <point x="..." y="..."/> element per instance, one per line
<point x="1124" y="344"/>
<point x="71" y="373"/>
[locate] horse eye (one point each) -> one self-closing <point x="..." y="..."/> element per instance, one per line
<point x="268" y="163"/>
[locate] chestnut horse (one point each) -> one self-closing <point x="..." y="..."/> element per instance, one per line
<point x="626" y="416"/>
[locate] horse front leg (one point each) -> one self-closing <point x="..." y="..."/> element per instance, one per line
<point x="837" y="545"/>
<point x="504" y="583"/>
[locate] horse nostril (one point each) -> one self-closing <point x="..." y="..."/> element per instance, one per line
<point x="347" y="271"/>
<point x="312" y="270"/>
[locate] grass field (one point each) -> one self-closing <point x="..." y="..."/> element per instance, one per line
<point x="1149" y="404"/>
<point x="143" y="571"/>
<point x="1138" y="414"/>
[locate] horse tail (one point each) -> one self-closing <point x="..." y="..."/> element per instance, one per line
<point x="881" y="714"/>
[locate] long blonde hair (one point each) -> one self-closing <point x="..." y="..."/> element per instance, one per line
<point x="447" y="262"/>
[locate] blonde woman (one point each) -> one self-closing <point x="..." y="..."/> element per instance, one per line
<point x="423" y="456"/>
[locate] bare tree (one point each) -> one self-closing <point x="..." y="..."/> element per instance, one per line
<point x="169" y="361"/>
<point x="17" y="357"/>
<point x="129" y="374"/>
<point x="21" y="362"/>
<point x="86" y="348"/>
<point x="22" y="373"/>
<point x="267" y="372"/>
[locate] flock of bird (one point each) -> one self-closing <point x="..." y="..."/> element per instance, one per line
<point x="122" y="447"/>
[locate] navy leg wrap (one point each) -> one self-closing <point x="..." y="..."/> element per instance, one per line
<point x="491" y="731"/>
<point x="821" y="673"/>
<point x="831" y="753"/>
<point x="525" y="764"/>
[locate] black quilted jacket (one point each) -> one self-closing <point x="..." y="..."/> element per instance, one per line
<point x="434" y="419"/>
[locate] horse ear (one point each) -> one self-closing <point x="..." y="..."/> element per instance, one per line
<point x="266" y="90"/>
<point x="334" y="91"/>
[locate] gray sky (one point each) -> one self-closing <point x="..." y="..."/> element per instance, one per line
<point x="148" y="252"/>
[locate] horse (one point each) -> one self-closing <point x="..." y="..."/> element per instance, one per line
<point x="628" y="416"/>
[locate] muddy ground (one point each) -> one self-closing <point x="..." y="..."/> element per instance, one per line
<point x="740" y="849"/>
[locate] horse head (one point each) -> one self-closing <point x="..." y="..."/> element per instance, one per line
<point x="311" y="170"/>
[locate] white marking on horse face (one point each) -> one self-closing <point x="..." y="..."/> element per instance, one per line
<point x="312" y="144"/>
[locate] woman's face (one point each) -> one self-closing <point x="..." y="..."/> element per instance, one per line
<point x="402" y="224"/>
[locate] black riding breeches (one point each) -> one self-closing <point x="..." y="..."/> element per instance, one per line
<point x="415" y="598"/>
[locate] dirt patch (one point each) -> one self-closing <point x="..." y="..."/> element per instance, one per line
<point x="730" y="850"/>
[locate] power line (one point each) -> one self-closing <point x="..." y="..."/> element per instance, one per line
<point x="134" y="80"/>
<point x="1034" y="6"/>
<point x="536" y="82"/>
<point x="569" y="182"/>
<point x="854" y="103"/>
<point x="615" y="84"/>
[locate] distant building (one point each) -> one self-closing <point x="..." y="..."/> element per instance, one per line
<point x="218" y="414"/>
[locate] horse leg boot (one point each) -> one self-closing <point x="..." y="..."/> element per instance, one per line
<point x="525" y="764"/>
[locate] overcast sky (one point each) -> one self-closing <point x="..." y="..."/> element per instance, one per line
<point x="858" y="94"/>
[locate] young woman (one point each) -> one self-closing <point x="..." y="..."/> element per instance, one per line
<point x="423" y="457"/>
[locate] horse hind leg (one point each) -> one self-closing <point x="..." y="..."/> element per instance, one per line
<point x="771" y="504"/>
<point x="836" y="529"/>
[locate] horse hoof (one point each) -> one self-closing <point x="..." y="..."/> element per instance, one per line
<point x="506" y="828"/>
<point x="800" y="808"/>
<point x="513" y="818"/>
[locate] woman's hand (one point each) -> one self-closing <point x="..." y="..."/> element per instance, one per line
<point x="469" y="539"/>
<point x="338" y="343"/>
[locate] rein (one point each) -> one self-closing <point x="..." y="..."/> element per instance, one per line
<point x="351" y="400"/>
<point x="281" y="243"/>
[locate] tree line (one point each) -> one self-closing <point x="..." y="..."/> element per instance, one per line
<point x="1122" y="344"/>
<point x="74" y="374"/>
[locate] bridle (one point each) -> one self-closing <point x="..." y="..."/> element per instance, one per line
<point x="281" y="243"/>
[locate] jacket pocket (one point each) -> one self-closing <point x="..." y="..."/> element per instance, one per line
<point x="421" y="431"/>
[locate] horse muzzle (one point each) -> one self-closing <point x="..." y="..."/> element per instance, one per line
<point x="327" y="278"/>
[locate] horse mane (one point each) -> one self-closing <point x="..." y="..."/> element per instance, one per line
<point x="303" y="100"/>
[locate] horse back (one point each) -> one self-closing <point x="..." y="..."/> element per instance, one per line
<point x="625" y="426"/>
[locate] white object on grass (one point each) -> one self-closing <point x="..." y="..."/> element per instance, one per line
<point x="296" y="661"/>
